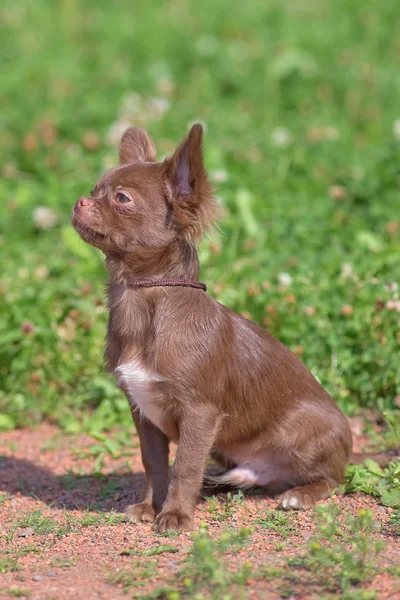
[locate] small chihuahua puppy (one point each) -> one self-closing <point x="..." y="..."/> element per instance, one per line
<point x="195" y="372"/>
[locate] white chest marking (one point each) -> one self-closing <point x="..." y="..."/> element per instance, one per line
<point x="137" y="383"/>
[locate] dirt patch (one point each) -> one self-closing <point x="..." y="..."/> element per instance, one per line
<point x="62" y="532"/>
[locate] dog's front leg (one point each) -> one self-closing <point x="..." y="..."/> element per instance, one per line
<point x="154" y="448"/>
<point x="197" y="432"/>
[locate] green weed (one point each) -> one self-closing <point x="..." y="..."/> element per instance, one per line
<point x="161" y="549"/>
<point x="342" y="552"/>
<point x="206" y="570"/>
<point x="394" y="522"/>
<point x="278" y="521"/>
<point x="63" y="562"/>
<point x="9" y="565"/>
<point x="371" y="479"/>
<point x="23" y="551"/>
<point x="136" y="577"/>
<point x="223" y="509"/>
<point x="18" y="592"/>
<point x="41" y="525"/>
<point x="97" y="519"/>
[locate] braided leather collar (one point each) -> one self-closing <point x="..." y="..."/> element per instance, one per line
<point x="149" y="283"/>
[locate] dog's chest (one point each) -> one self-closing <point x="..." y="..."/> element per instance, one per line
<point x="140" y="385"/>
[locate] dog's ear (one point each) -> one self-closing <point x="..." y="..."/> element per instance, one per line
<point x="190" y="192"/>
<point x="136" y="146"/>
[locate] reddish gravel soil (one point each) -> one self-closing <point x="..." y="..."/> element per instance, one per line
<point x="75" y="553"/>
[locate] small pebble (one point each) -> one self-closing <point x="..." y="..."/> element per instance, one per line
<point x="51" y="574"/>
<point x="37" y="578"/>
<point x="26" y="532"/>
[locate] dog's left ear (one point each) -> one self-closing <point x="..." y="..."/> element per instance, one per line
<point x="136" y="146"/>
<point x="190" y="192"/>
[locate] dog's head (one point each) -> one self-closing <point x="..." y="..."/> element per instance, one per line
<point x="146" y="204"/>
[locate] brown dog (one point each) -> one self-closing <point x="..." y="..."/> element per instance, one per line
<point x="194" y="371"/>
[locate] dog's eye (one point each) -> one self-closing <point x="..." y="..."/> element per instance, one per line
<point x="122" y="198"/>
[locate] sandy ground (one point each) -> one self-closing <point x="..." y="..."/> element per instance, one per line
<point x="71" y="556"/>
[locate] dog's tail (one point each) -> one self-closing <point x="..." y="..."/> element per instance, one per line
<point x="381" y="458"/>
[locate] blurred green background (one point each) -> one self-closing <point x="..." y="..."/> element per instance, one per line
<point x="300" y="101"/>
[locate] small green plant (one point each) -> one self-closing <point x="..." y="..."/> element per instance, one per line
<point x="63" y="562"/>
<point x="137" y="576"/>
<point x="279" y="522"/>
<point x="161" y="549"/>
<point x="8" y="565"/>
<point x="223" y="509"/>
<point x="70" y="526"/>
<point x="4" y="497"/>
<point x="23" y="551"/>
<point x="342" y="552"/>
<point x="18" y="592"/>
<point x="206" y="570"/>
<point x="41" y="525"/>
<point x="394" y="522"/>
<point x="110" y="488"/>
<point x="97" y="519"/>
<point x="371" y="479"/>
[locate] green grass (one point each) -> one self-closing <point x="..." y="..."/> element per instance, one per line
<point x="9" y="565"/>
<point x="279" y="522"/>
<point x="204" y="572"/>
<point x="394" y="522"/>
<point x="339" y="559"/>
<point x="224" y="508"/>
<point x="97" y="519"/>
<point x="371" y="479"/>
<point x="41" y="525"/>
<point x="342" y="552"/>
<point x="17" y="592"/>
<point x="309" y="245"/>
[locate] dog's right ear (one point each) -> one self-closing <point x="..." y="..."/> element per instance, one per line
<point x="136" y="146"/>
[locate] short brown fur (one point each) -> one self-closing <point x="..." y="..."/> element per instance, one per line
<point x="217" y="383"/>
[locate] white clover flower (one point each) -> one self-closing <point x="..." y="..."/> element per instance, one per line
<point x="393" y="305"/>
<point x="116" y="131"/>
<point x="44" y="217"/>
<point x="158" y="107"/>
<point x="281" y="137"/>
<point x="41" y="272"/>
<point x="392" y="286"/>
<point x="285" y="279"/>
<point x="331" y="134"/>
<point x="23" y="273"/>
<point x="396" y="129"/>
<point x="165" y="85"/>
<point x="131" y="103"/>
<point x="219" y="175"/>
<point x="347" y="270"/>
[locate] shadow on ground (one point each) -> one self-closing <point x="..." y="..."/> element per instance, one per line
<point x="72" y="491"/>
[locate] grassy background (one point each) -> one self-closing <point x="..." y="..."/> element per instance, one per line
<point x="300" y="101"/>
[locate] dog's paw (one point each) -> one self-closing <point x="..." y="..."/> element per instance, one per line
<point x="296" y="499"/>
<point x="172" y="520"/>
<point x="140" y="512"/>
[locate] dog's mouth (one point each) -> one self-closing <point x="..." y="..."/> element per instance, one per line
<point x="88" y="233"/>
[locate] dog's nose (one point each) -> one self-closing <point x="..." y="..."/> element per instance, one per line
<point x="84" y="202"/>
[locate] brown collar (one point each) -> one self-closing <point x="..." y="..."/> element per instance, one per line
<point x="148" y="283"/>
